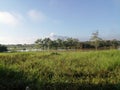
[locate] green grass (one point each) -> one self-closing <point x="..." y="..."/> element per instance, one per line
<point x="93" y="70"/>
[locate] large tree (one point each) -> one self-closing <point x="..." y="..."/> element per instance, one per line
<point x="95" y="39"/>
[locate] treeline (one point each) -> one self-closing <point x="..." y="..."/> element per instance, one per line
<point x="59" y="44"/>
<point x="104" y="44"/>
<point x="47" y="43"/>
<point x="95" y="42"/>
<point x="71" y="43"/>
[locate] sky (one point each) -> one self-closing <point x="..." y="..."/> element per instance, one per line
<point x="24" y="21"/>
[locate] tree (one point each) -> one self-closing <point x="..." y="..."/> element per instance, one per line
<point x="76" y="43"/>
<point x="39" y="43"/>
<point x="71" y="43"/>
<point x="54" y="44"/>
<point x="43" y="43"/>
<point x="47" y="43"/>
<point x="3" y="48"/>
<point x="95" y="39"/>
<point x="60" y="43"/>
<point x="115" y="43"/>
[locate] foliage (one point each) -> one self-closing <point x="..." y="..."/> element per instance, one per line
<point x="47" y="43"/>
<point x="3" y="48"/>
<point x="98" y="70"/>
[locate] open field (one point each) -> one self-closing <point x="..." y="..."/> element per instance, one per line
<point x="93" y="70"/>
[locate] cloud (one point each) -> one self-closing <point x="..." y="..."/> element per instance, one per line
<point x="9" y="18"/>
<point x="53" y="36"/>
<point x="36" y="15"/>
<point x="6" y="40"/>
<point x="13" y="40"/>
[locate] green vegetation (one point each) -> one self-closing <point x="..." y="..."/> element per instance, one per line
<point x="93" y="70"/>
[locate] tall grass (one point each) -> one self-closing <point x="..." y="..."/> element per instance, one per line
<point x="60" y="71"/>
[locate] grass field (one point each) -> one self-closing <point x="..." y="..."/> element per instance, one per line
<point x="93" y="70"/>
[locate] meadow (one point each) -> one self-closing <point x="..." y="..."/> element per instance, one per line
<point x="68" y="70"/>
